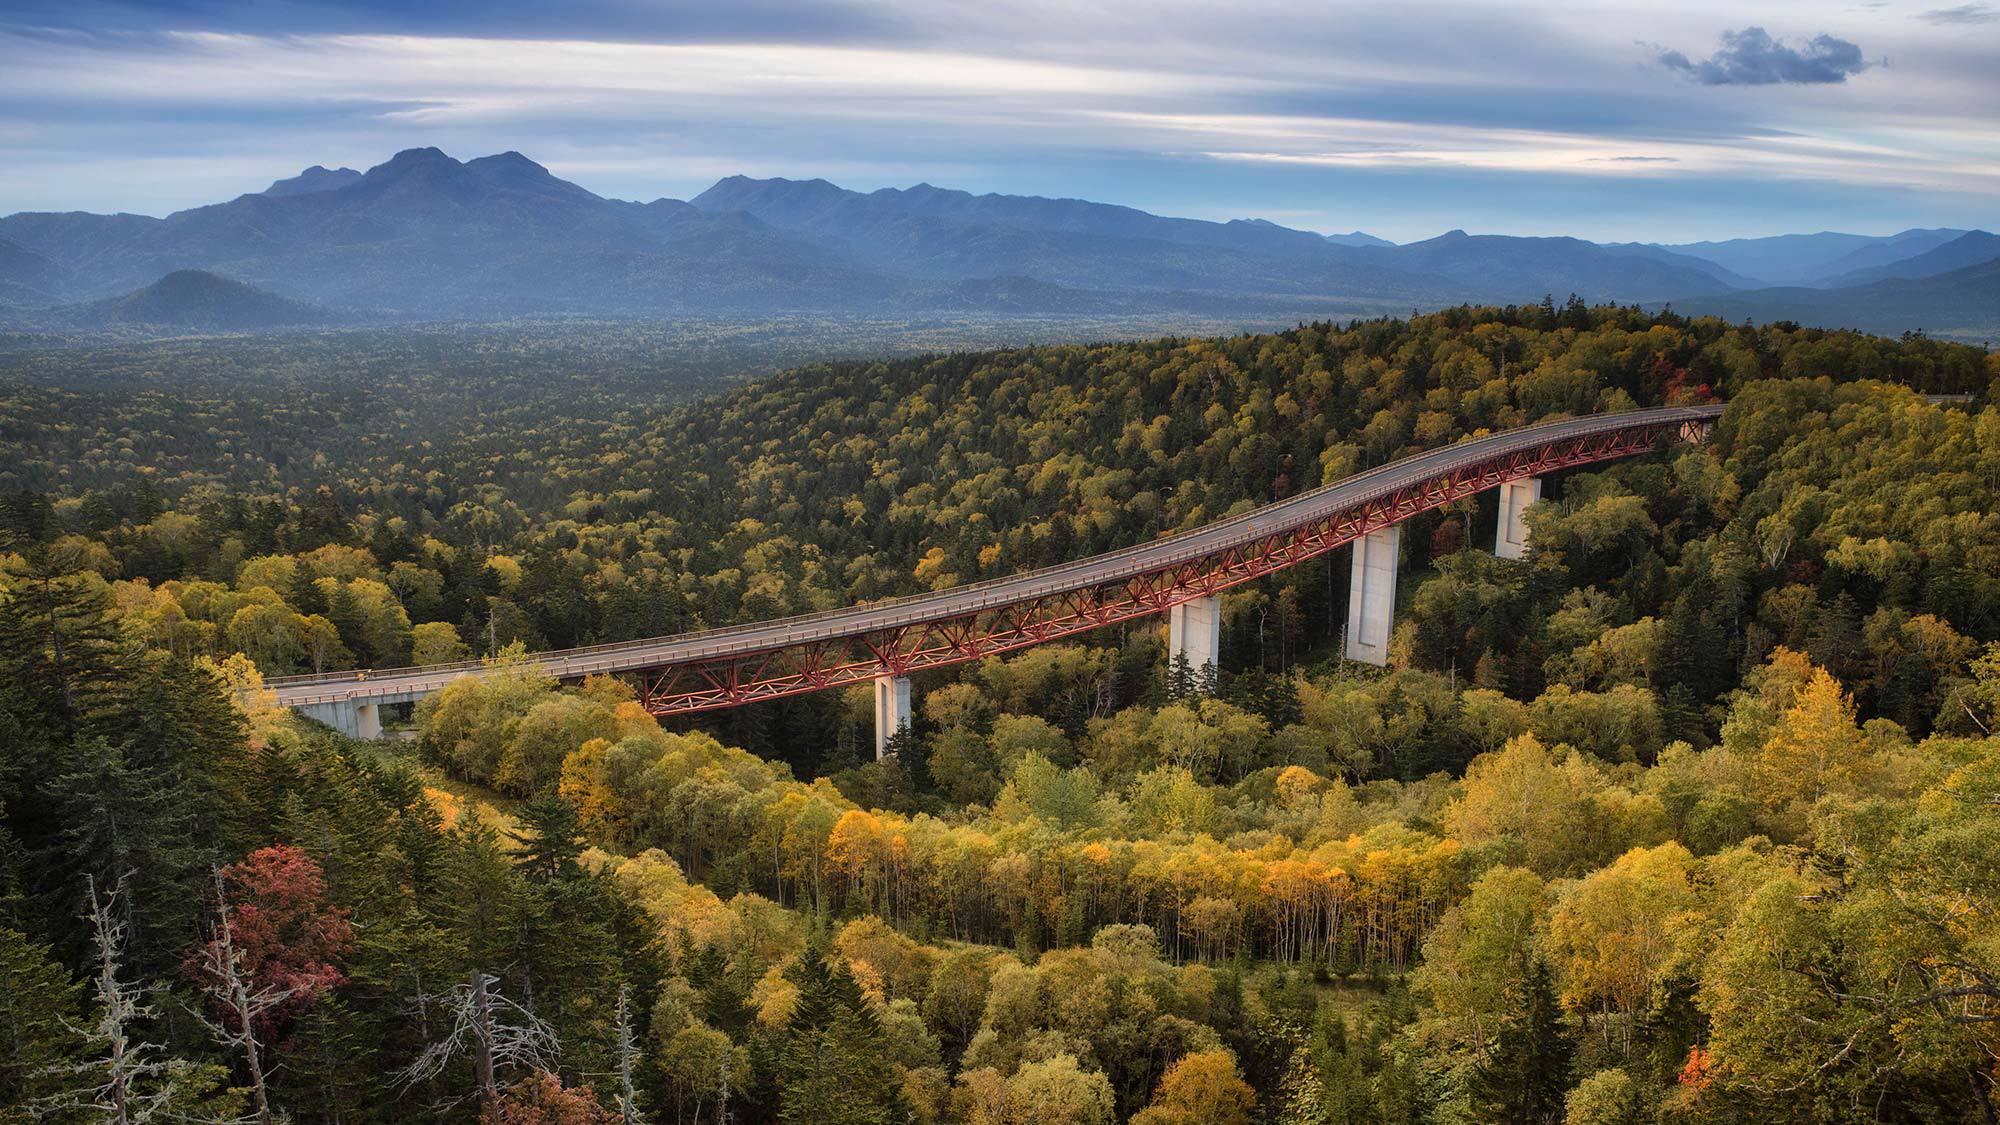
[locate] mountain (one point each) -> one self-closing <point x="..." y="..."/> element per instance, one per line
<point x="29" y="277"/>
<point x="939" y="234"/>
<point x="1357" y="238"/>
<point x="1962" y="304"/>
<point x="1881" y="252"/>
<point x="1813" y="259"/>
<point x="1728" y="278"/>
<point x="932" y="232"/>
<point x="1501" y="267"/>
<point x="316" y="178"/>
<point x="1968" y="249"/>
<point x="426" y="234"/>
<point x="197" y="300"/>
<point x="1785" y="259"/>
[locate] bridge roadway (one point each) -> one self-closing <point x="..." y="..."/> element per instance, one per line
<point x="1525" y="448"/>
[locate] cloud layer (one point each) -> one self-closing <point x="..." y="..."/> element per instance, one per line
<point x="1399" y="118"/>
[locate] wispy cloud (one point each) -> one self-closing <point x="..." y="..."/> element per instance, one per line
<point x="1257" y="107"/>
<point x="1964" y="13"/>
<point x="1750" y="57"/>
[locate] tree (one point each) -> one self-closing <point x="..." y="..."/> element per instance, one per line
<point x="695" y="1061"/>
<point x="241" y="1011"/>
<point x="1524" y="1076"/>
<point x="1609" y="1097"/>
<point x="1202" y="1088"/>
<point x="275" y="925"/>
<point x="494" y="1032"/>
<point x="38" y="1037"/>
<point x="1816" y="748"/>
<point x="832" y="1066"/>
<point x="1057" y="1091"/>
<point x="437" y="642"/>
<point x="542" y="1099"/>
<point x="551" y="840"/>
<point x="123" y="1078"/>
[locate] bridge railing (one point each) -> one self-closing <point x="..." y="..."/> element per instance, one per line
<point x="1111" y="566"/>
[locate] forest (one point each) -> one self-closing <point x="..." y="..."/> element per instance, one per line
<point x="1693" y="815"/>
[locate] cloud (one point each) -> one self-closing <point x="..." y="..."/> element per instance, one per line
<point x="1750" y="57"/>
<point x="1964" y="13"/>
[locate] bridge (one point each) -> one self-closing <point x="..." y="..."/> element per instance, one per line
<point x="1179" y="575"/>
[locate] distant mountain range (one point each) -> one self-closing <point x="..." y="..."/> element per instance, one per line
<point x="427" y="236"/>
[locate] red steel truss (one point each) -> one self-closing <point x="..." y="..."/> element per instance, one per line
<point x="819" y="664"/>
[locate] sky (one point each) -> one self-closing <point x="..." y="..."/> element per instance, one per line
<point x="1613" y="122"/>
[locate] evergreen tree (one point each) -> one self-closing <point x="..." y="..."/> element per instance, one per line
<point x="1525" y="1074"/>
<point x="832" y="1068"/>
<point x="551" y="839"/>
<point x="38" y="1039"/>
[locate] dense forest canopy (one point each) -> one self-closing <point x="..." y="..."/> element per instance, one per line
<point x="1690" y="816"/>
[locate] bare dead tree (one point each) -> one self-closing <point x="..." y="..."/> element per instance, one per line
<point x="628" y="1102"/>
<point x="224" y="983"/>
<point x="495" y="1032"/>
<point x="128" y="1080"/>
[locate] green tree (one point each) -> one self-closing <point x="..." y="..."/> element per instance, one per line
<point x="1525" y="1075"/>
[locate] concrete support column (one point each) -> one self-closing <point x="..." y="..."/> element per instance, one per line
<point x="1371" y="600"/>
<point x="1511" y="540"/>
<point x="892" y="711"/>
<point x="353" y="718"/>
<point x="1194" y="630"/>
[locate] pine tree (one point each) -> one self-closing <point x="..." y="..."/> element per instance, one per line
<point x="551" y="841"/>
<point x="304" y="594"/>
<point x="833" y="1066"/>
<point x="38" y="1041"/>
<point x="1525" y="1074"/>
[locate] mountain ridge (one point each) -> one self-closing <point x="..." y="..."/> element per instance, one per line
<point x="423" y="234"/>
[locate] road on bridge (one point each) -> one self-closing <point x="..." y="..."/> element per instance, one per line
<point x="848" y="645"/>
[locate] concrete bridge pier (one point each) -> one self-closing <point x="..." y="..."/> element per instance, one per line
<point x="1511" y="540"/>
<point x="1194" y="631"/>
<point x="892" y="710"/>
<point x="351" y="717"/>
<point x="1371" y="599"/>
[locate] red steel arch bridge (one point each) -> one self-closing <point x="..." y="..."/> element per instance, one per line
<point x="1179" y="575"/>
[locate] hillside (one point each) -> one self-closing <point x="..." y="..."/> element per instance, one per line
<point x="197" y="300"/>
<point x="1720" y="733"/>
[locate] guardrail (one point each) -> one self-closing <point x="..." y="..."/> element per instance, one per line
<point x="1111" y="566"/>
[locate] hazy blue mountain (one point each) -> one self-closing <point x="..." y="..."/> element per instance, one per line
<point x="1357" y="238"/>
<point x="1729" y="278"/>
<point x="1785" y="259"/>
<point x="936" y="234"/>
<point x="818" y="205"/>
<point x="1881" y="252"/>
<point x="1815" y="259"/>
<point x="426" y="234"/>
<point x="1501" y="267"/>
<point x="1962" y="304"/>
<point x="1968" y="249"/>
<point x="30" y="277"/>
<point x="316" y="178"/>
<point x="197" y="300"/>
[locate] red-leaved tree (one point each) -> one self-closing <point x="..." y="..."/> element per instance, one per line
<point x="287" y="938"/>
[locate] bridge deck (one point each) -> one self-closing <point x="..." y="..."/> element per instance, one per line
<point x="392" y="685"/>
